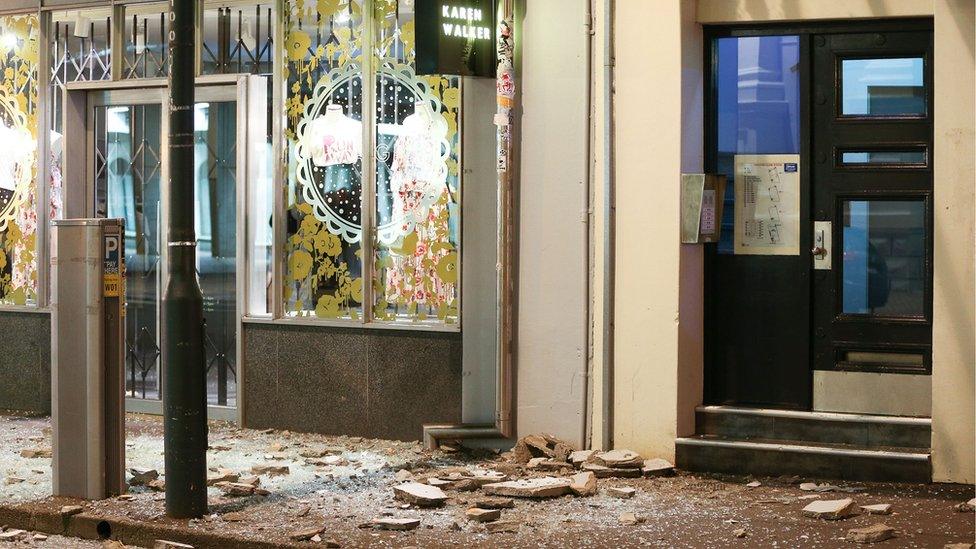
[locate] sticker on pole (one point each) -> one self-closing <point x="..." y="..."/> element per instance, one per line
<point x="111" y="267"/>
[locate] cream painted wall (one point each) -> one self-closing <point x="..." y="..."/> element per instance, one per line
<point x="553" y="280"/>
<point x="739" y="11"/>
<point x="657" y="367"/>
<point x="954" y="325"/>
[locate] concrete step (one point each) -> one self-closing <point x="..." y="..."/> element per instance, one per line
<point x="816" y="461"/>
<point x="864" y="431"/>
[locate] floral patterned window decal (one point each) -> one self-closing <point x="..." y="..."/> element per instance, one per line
<point x="323" y="267"/>
<point x="414" y="212"/>
<point x="18" y="164"/>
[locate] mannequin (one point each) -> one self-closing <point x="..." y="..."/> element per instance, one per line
<point x="419" y="165"/>
<point x="333" y="138"/>
<point x="420" y="196"/>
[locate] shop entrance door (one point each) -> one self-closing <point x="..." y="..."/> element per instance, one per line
<point x="127" y="151"/>
<point x="824" y="264"/>
<point x="872" y="200"/>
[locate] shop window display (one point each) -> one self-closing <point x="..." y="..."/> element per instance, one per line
<point x="18" y="164"/>
<point x="417" y="181"/>
<point x="412" y="215"/>
<point x="323" y="269"/>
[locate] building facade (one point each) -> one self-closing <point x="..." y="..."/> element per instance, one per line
<point x="512" y="261"/>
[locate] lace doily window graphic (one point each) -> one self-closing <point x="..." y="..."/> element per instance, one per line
<point x="329" y="168"/>
<point x="329" y="176"/>
<point x="412" y="151"/>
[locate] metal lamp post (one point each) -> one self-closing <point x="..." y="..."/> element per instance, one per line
<point x="184" y="383"/>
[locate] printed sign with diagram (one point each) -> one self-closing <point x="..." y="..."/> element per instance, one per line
<point x="767" y="204"/>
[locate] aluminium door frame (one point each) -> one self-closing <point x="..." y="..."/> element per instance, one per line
<point x="148" y="92"/>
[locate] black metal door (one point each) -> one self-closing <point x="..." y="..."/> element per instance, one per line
<point x="872" y="183"/>
<point x="757" y="307"/>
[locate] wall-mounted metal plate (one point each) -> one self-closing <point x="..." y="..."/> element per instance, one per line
<point x="821" y="245"/>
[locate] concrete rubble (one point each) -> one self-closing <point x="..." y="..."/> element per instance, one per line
<point x="421" y="495"/>
<point x="142" y="477"/>
<point x="557" y="492"/>
<point x="543" y="487"/>
<point x="877" y="509"/>
<point x="622" y="492"/>
<point x="69" y="510"/>
<point x="306" y="534"/>
<point x="871" y="534"/>
<point x="482" y="515"/>
<point x="395" y="523"/>
<point x="583" y="484"/>
<point x="618" y="459"/>
<point x="629" y="519"/>
<point x="830" y="509"/>
<point x="493" y="502"/>
<point x="499" y="526"/>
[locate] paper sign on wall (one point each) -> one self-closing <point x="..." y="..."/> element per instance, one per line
<point x="767" y="204"/>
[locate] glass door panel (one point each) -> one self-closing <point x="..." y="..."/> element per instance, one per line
<point x="216" y="227"/>
<point x="884" y="257"/>
<point x="127" y="185"/>
<point x="127" y="147"/>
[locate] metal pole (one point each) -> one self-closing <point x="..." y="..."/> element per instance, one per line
<point x="184" y="386"/>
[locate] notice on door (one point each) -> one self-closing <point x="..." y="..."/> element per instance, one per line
<point x="767" y="204"/>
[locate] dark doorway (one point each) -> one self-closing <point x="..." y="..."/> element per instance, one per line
<point x="795" y="158"/>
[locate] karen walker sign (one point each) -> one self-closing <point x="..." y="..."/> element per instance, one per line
<point x="455" y="37"/>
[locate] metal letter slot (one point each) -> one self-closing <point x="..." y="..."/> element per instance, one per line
<point x="821" y="245"/>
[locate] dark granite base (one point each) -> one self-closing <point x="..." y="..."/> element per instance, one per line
<point x="373" y="383"/>
<point x="25" y="362"/>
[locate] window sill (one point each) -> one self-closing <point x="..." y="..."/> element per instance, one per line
<point x="353" y="324"/>
<point x="24" y="309"/>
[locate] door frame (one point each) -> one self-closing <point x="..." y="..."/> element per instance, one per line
<point x="712" y="384"/>
<point x="80" y="100"/>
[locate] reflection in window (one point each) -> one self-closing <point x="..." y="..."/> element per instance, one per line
<point x="884" y="257"/>
<point x="81" y="46"/>
<point x="888" y="157"/>
<point x="127" y="176"/>
<point x="883" y="87"/>
<point x="215" y="158"/>
<point x="145" y="42"/>
<point x="758" y="107"/>
<point x="237" y="39"/>
<point x="259" y="220"/>
<point x="81" y="50"/>
<point x="18" y="137"/>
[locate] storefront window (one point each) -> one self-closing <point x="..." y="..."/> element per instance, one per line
<point x="81" y="51"/>
<point x="18" y="163"/>
<point x="145" y="43"/>
<point x="237" y="38"/>
<point x="417" y="184"/>
<point x="323" y="269"/>
<point x="758" y="107"/>
<point x="413" y="218"/>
